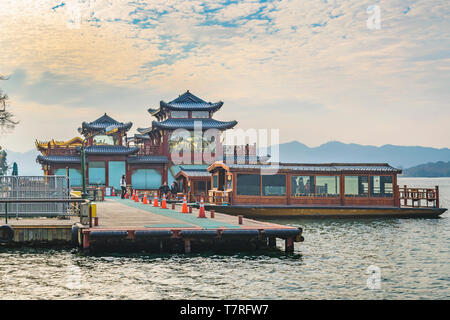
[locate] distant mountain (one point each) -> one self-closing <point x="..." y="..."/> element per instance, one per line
<point x="432" y="169"/>
<point x="397" y="156"/>
<point x="26" y="162"/>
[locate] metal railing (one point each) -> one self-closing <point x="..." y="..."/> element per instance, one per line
<point x="419" y="197"/>
<point x="8" y="202"/>
<point x="15" y="188"/>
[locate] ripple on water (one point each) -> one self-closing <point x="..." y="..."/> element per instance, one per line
<point x="332" y="263"/>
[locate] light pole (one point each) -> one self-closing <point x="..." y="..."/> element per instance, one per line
<point x="108" y="131"/>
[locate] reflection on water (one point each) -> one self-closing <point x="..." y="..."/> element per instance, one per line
<point x="411" y="254"/>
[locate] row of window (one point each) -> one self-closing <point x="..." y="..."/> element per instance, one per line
<point x="194" y="114"/>
<point x="314" y="186"/>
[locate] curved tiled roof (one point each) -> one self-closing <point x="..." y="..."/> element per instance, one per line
<point x="173" y="124"/>
<point x="102" y="123"/>
<point x="326" y="167"/>
<point x="187" y="102"/>
<point x="147" y="159"/>
<point x="141" y="136"/>
<point x="110" y="150"/>
<point x="58" y="159"/>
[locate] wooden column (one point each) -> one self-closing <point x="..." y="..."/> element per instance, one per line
<point x="437" y="196"/>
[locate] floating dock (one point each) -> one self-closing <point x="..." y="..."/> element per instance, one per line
<point x="128" y="225"/>
<point x="42" y="231"/>
<point x="122" y="225"/>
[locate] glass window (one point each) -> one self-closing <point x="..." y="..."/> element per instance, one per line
<point x="381" y="186"/>
<point x="356" y="186"/>
<point x="248" y="184"/>
<point x="229" y="182"/>
<point x="97" y="173"/>
<point x="327" y="186"/>
<point x="200" y="114"/>
<point x="179" y="114"/>
<point x="201" y="187"/>
<point x="302" y="186"/>
<point x="215" y="182"/>
<point x="274" y="185"/>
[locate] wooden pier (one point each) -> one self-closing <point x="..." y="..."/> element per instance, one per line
<point x="126" y="225"/>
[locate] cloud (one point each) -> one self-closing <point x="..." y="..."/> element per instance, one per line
<point x="255" y="55"/>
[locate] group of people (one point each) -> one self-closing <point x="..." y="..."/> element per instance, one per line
<point x="164" y="189"/>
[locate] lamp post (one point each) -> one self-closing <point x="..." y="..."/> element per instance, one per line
<point x="108" y="131"/>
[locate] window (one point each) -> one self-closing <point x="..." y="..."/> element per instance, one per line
<point x="179" y="114"/>
<point x="229" y="182"/>
<point x="327" y="186"/>
<point x="200" y="187"/>
<point x="215" y="178"/>
<point x="104" y="140"/>
<point x="274" y="185"/>
<point x="381" y="186"/>
<point x="302" y="186"/>
<point x="248" y="184"/>
<point x="200" y="114"/>
<point x="97" y="173"/>
<point x="356" y="186"/>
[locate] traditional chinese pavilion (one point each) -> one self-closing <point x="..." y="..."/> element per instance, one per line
<point x="146" y="157"/>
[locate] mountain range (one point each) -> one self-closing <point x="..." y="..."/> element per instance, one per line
<point x="397" y="156"/>
<point x="401" y="157"/>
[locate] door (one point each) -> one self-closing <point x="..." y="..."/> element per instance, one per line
<point x="97" y="173"/>
<point x="116" y="169"/>
<point x="146" y="179"/>
<point x="74" y="176"/>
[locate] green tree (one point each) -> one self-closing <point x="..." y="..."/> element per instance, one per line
<point x="3" y="163"/>
<point x="6" y="117"/>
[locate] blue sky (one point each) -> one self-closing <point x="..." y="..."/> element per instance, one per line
<point x="310" y="68"/>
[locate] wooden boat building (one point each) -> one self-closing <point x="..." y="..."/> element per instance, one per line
<point x="145" y="158"/>
<point x="333" y="189"/>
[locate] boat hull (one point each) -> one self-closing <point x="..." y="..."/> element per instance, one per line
<point x="326" y="212"/>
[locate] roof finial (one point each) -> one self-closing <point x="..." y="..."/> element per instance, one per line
<point x="188" y="91"/>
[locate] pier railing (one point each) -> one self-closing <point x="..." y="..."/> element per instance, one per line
<point x="419" y="197"/>
<point x="36" y="188"/>
<point x="7" y="203"/>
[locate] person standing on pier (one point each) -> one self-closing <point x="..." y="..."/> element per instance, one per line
<point x="123" y="185"/>
<point x="164" y="189"/>
<point x="174" y="188"/>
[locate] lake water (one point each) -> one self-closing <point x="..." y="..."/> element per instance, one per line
<point x="409" y="256"/>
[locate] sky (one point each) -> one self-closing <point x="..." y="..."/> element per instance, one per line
<point x="316" y="70"/>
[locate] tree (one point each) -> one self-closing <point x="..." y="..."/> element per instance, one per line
<point x="6" y="117"/>
<point x="3" y="163"/>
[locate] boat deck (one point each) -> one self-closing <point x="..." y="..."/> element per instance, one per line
<point x="317" y="211"/>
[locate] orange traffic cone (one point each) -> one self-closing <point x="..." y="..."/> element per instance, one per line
<point x="133" y="194"/>
<point x="113" y="193"/>
<point x="184" y="209"/>
<point x="136" y="197"/>
<point x="164" y="203"/>
<point x="201" y="212"/>
<point x="144" y="200"/>
<point x="155" y="201"/>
